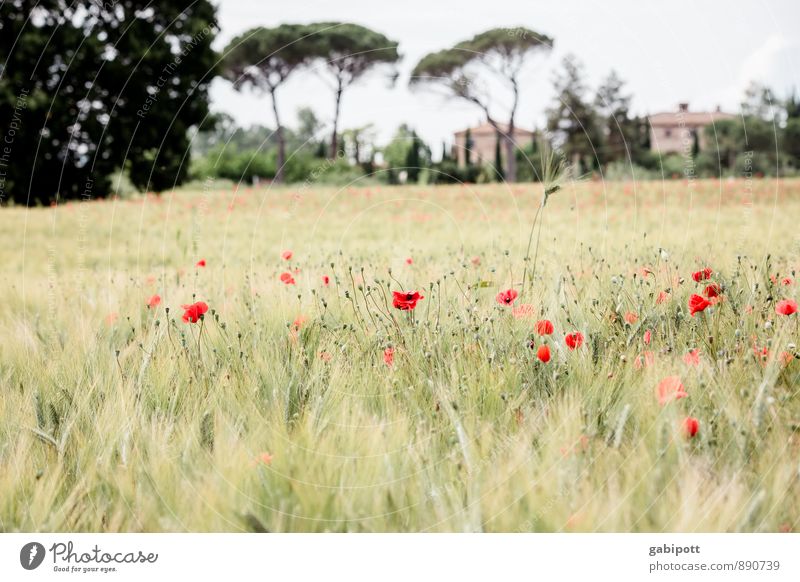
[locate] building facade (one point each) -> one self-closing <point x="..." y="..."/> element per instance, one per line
<point x="483" y="141"/>
<point x="676" y="132"/>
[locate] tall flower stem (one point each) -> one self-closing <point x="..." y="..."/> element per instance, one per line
<point x="528" y="251"/>
<point x="553" y="173"/>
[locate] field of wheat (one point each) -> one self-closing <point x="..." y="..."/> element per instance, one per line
<point x="308" y="397"/>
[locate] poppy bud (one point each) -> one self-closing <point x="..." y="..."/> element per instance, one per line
<point x="690" y="426"/>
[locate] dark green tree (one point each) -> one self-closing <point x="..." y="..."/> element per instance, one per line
<point x="750" y="136"/>
<point x="406" y="146"/>
<point x="760" y="102"/>
<point x="791" y="140"/>
<point x="359" y="144"/>
<point x="620" y="130"/>
<point x="572" y="120"/>
<point x="498" y="157"/>
<point x="724" y="139"/>
<point x="396" y="151"/>
<point x="262" y="59"/>
<point x="642" y="152"/>
<point x="791" y="133"/>
<point x="695" y="143"/>
<point x="87" y="87"/>
<point x="468" y="143"/>
<point x="347" y="52"/>
<point x="308" y="126"/>
<point x="461" y="70"/>
<point x="792" y="106"/>
<point x="445" y="153"/>
<point x="413" y="159"/>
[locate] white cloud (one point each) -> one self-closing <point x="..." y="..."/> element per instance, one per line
<point x="774" y="64"/>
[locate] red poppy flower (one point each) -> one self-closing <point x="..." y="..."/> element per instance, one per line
<point x="286" y="255"/>
<point x="409" y="261"/>
<point x="670" y="388"/>
<point x="787" y="281"/>
<point x="697" y="303"/>
<point x="631" y="317"/>
<point x="506" y="297"/>
<point x="690" y="426"/>
<point x="201" y="263"/>
<point x="786" y="307"/>
<point x="662" y="297"/>
<point x="405" y="301"/>
<point x="544" y="327"/>
<point x="476" y="261"/>
<point x="154" y="301"/>
<point x="574" y="340"/>
<point x="712" y="290"/>
<point x="543" y="353"/>
<point x="702" y="275"/>
<point x="388" y="357"/>
<point x="287" y="279"/>
<point x="647" y="336"/>
<point x="326" y="280"/>
<point x="692" y="358"/>
<point x="193" y="313"/>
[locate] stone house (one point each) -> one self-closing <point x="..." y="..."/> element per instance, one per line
<point x="674" y="132"/>
<point x="483" y="140"/>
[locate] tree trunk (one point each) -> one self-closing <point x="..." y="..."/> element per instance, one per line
<point x="281" y="162"/>
<point x="511" y="149"/>
<point x="511" y="155"/>
<point x="334" y="137"/>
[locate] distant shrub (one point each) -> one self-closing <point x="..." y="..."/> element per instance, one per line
<point x="755" y="164"/>
<point x="249" y="165"/>
<point x="318" y="171"/>
<point x="449" y="172"/>
<point x="231" y="164"/>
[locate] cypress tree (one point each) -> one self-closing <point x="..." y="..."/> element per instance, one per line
<point x="498" y="158"/>
<point x="413" y="159"/>
<point x="468" y="143"/>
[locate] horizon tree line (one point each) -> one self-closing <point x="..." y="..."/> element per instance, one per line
<point x="124" y="89"/>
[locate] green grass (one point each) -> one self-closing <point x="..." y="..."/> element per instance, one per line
<point x="115" y="417"/>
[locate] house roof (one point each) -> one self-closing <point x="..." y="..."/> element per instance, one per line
<point x="486" y="128"/>
<point x="687" y="118"/>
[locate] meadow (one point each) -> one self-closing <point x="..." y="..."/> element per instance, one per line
<point x="303" y="400"/>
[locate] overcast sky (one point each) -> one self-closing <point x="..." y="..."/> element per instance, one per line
<point x="701" y="51"/>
